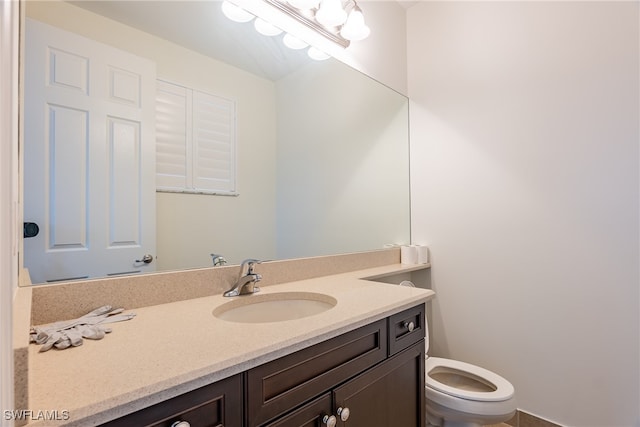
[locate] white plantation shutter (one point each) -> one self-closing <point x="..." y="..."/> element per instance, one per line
<point x="172" y="133"/>
<point x="196" y="141"/>
<point x="214" y="143"/>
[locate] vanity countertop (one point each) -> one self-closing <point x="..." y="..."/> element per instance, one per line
<point x="173" y="348"/>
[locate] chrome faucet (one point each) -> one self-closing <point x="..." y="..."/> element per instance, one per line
<point x="246" y="283"/>
<point x="218" y="260"/>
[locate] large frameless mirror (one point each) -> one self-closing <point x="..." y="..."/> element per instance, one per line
<point x="322" y="149"/>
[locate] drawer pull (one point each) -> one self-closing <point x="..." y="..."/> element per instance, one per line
<point x="181" y="424"/>
<point x="409" y="325"/>
<point x="344" y="413"/>
<point x="329" y="421"/>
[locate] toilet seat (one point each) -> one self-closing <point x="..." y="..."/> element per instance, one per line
<point x="503" y="390"/>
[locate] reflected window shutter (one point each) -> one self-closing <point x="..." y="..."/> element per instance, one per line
<point x="172" y="134"/>
<point x="196" y="141"/>
<point x="214" y="154"/>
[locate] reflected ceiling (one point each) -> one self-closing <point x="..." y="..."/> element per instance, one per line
<point x="200" y="26"/>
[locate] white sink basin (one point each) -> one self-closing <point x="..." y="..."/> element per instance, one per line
<point x="276" y="307"/>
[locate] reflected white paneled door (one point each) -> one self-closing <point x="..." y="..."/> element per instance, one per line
<point x="89" y="157"/>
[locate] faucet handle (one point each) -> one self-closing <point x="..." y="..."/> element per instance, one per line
<point x="249" y="263"/>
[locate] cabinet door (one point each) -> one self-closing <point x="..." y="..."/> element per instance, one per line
<point x="215" y="405"/>
<point x="389" y="395"/>
<point x="310" y="415"/>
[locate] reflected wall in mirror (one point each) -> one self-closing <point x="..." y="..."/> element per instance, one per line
<point x="323" y="162"/>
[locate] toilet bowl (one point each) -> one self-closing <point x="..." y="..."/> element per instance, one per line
<point x="460" y="394"/>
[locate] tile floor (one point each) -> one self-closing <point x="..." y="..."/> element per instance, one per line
<point x="522" y="419"/>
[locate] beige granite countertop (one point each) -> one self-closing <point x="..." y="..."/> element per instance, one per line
<point x="172" y="348"/>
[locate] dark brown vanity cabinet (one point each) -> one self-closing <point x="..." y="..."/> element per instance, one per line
<point x="214" y="405"/>
<point x="373" y="376"/>
<point x="279" y="386"/>
<point x="370" y="377"/>
<point x="313" y="414"/>
<point x="388" y="395"/>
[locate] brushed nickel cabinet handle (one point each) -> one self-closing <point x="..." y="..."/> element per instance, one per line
<point x="343" y="413"/>
<point x="329" y="421"/>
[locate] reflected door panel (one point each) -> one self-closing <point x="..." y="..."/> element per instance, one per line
<point x="89" y="158"/>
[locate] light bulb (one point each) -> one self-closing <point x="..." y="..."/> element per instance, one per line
<point x="304" y="4"/>
<point x="355" y="28"/>
<point x="236" y="13"/>
<point x="317" y="54"/>
<point x="331" y="13"/>
<point x="266" y="28"/>
<point x="293" y="42"/>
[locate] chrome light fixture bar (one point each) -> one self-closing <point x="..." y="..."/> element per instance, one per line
<point x="325" y="26"/>
<point x="309" y="20"/>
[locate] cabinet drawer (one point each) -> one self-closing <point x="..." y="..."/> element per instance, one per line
<point x="310" y="415"/>
<point x="215" y="405"/>
<point x="279" y="386"/>
<point x="400" y="334"/>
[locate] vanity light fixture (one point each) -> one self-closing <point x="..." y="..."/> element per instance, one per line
<point x="330" y="13"/>
<point x="338" y="21"/>
<point x="236" y="13"/>
<point x="293" y="42"/>
<point x="317" y="54"/>
<point x="266" y="28"/>
<point x="328" y="17"/>
<point x="355" y="28"/>
<point x="304" y="4"/>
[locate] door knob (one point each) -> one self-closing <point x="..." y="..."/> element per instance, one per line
<point x="147" y="259"/>
<point x="30" y="229"/>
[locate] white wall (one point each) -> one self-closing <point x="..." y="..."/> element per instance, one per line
<point x="190" y="227"/>
<point x="383" y="55"/>
<point x="525" y="183"/>
<point x="342" y="162"/>
<point x="9" y="20"/>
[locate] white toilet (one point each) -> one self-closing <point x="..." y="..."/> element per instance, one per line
<point x="459" y="394"/>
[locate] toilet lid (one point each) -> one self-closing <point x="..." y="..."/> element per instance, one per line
<point x="498" y="388"/>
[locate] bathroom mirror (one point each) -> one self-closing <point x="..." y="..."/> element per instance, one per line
<point x="323" y="161"/>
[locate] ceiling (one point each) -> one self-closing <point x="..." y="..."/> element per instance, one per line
<point x="200" y="26"/>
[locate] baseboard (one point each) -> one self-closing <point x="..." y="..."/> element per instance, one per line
<point x="524" y="419"/>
